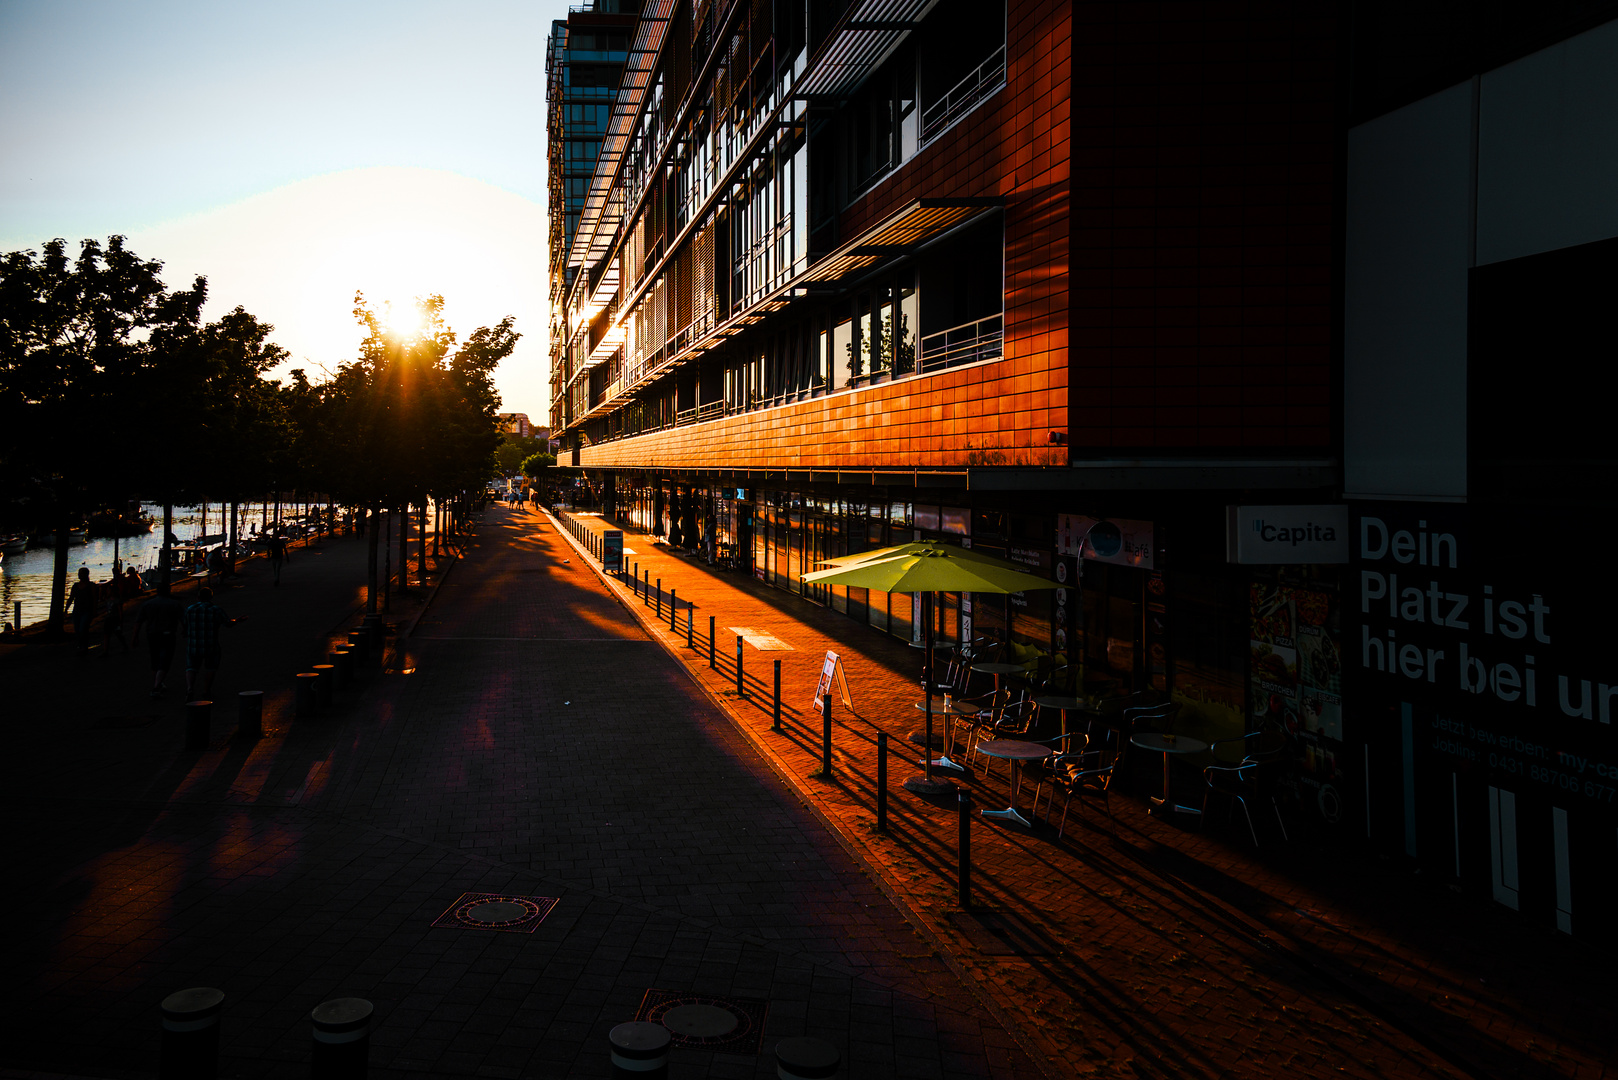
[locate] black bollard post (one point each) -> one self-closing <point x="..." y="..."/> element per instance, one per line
<point x="250" y="713"/>
<point x="805" y="1058"/>
<point x="198" y="724"/>
<point x="305" y="697"/>
<point x="634" y="581"/>
<point x="964" y="847"/>
<point x="358" y="642"/>
<point x="710" y="641"/>
<point x="674" y="609"/>
<point x="323" y="685"/>
<point x="659" y="597"/>
<point x="882" y="781"/>
<point x="343" y="664"/>
<point x="690" y="624"/>
<point x="190" y="1046"/>
<point x="776" y="724"/>
<point x="741" y="688"/>
<point x="640" y="1051"/>
<point x="825" y="732"/>
<point x="342" y="1039"/>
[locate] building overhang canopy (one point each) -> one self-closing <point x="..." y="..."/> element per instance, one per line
<point x="901" y="234"/>
<point x="866" y="36"/>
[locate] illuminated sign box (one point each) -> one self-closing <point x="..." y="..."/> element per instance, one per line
<point x="1286" y="534"/>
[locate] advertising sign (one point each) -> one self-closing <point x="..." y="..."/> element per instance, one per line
<point x="1277" y="535"/>
<point x="612" y="551"/>
<point x="1108" y="540"/>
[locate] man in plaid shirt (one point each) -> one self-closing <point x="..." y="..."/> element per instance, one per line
<point x="202" y="622"/>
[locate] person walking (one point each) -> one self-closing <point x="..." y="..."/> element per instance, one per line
<point x="278" y="554"/>
<point x="202" y="653"/>
<point x="160" y="618"/>
<point x="112" y="622"/>
<point x="81" y="603"/>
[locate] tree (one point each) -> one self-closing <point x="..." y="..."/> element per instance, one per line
<point x="514" y="451"/>
<point x="85" y="352"/>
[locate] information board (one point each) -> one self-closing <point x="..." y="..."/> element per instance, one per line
<point x="612" y="551"/>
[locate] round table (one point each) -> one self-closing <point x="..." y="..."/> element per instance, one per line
<point x="949" y="710"/>
<point x="1066" y="703"/>
<point x="1162" y="742"/>
<point x="1015" y="751"/>
<point x="998" y="670"/>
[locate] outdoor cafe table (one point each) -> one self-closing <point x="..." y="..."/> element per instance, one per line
<point x="1066" y="703"/>
<point x="950" y="710"/>
<point x="1161" y="742"/>
<point x="998" y="670"/>
<point x="1015" y="751"/>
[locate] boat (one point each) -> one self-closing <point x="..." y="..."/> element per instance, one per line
<point x="74" y="536"/>
<point x="15" y="544"/>
<point x="110" y="524"/>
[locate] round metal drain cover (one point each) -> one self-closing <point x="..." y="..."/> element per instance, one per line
<point x="700" y="1021"/>
<point x="498" y="912"/>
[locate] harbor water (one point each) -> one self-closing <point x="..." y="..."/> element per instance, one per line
<point x="27" y="577"/>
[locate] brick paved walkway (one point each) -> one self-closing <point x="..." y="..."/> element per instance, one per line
<point x="531" y="739"/>
<point x="1165" y="952"/>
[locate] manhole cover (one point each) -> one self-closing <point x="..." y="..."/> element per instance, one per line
<point x="493" y="911"/>
<point x="702" y="1022"/>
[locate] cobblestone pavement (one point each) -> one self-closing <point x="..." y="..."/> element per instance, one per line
<point x="531" y="739"/>
<point x="1138" y="947"/>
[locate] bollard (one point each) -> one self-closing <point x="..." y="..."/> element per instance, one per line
<point x="710" y="641"/>
<point x="825" y="732"/>
<point x="674" y="609"/>
<point x="357" y="646"/>
<point x="250" y="713"/>
<point x="963" y="873"/>
<point x="323" y="685"/>
<point x="198" y="724"/>
<point x="640" y="1050"/>
<point x="16" y="608"/>
<point x="190" y="1047"/>
<point x="690" y="624"/>
<point x="776" y="725"/>
<point x="343" y="663"/>
<point x="342" y="1039"/>
<point x="306" y="700"/>
<point x="805" y="1058"/>
<point x="659" y="597"/>
<point x="741" y="690"/>
<point x="634" y="580"/>
<point x="882" y="781"/>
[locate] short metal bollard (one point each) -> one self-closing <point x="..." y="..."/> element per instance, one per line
<point x="882" y="781"/>
<point x="775" y="725"/>
<point x="690" y="624"/>
<point x="190" y="1047"/>
<point x="342" y="1039"/>
<point x="357" y="645"/>
<point x="250" y="713"/>
<point x="306" y="701"/>
<point x="659" y="597"/>
<point x="198" y="724"/>
<point x="674" y="609"/>
<point x="963" y="873"/>
<point x="710" y="641"/>
<point x="640" y="1050"/>
<point x="323" y="685"/>
<point x="806" y="1058"/>
<point x="825" y="732"/>
<point x="343" y="661"/>
<point x="741" y="688"/>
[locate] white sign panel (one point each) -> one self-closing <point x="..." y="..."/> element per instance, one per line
<point x="1109" y="540"/>
<point x="1286" y="534"/>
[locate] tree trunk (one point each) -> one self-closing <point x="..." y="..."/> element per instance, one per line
<point x="58" y="579"/>
<point x="230" y="541"/>
<point x="372" y="527"/>
<point x="421" y="545"/>
<point x="404" y="546"/>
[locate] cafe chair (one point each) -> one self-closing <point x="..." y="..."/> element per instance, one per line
<point x="1253" y="778"/>
<point x="1086" y="774"/>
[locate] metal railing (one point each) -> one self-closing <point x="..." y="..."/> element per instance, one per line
<point x="964" y="344"/>
<point x="963" y="95"/>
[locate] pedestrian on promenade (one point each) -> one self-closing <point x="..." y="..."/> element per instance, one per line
<point x="278" y="554"/>
<point x="81" y="602"/>
<point x="160" y="618"/>
<point x="202" y="622"/>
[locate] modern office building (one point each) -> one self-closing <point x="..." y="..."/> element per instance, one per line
<point x="1072" y="284"/>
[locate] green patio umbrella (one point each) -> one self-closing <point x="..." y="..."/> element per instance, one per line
<point x="928" y="567"/>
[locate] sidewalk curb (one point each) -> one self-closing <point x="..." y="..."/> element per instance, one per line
<point x="872" y="870"/>
<point x="454" y="561"/>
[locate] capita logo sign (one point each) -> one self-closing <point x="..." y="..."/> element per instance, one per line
<point x="1269" y="535"/>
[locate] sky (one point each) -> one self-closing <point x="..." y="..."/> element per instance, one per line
<point x="294" y="153"/>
